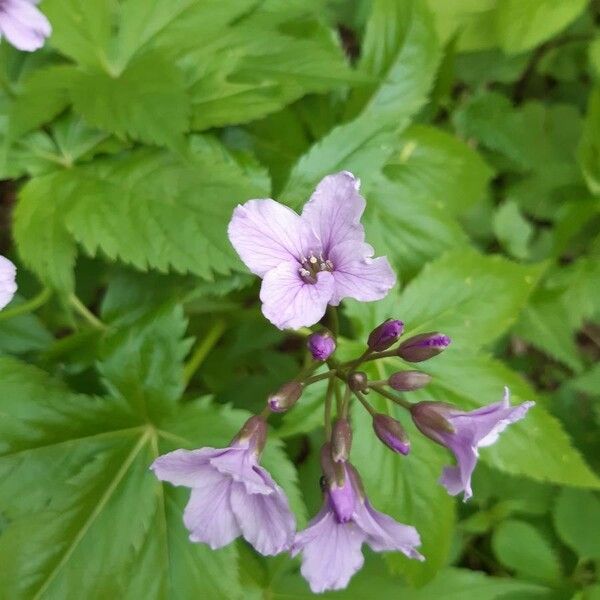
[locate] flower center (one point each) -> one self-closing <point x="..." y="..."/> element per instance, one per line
<point x="312" y="266"/>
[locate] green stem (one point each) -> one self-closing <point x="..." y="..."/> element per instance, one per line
<point x="397" y="399"/>
<point x="334" y="322"/>
<point x="327" y="415"/>
<point x="265" y="412"/>
<point x="204" y="347"/>
<point x="83" y="311"/>
<point x="27" y="307"/>
<point x="338" y="398"/>
<point x="319" y="377"/>
<point x="367" y="356"/>
<point x="346" y="402"/>
<point x="362" y="400"/>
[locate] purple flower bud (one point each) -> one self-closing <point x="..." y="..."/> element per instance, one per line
<point x="286" y="396"/>
<point x="385" y="335"/>
<point x="253" y="434"/>
<point x="341" y="440"/>
<point x="321" y="345"/>
<point x="423" y="347"/>
<point x="391" y="433"/>
<point x="358" y="381"/>
<point x="338" y="484"/>
<point x="407" y="381"/>
<point x="431" y="418"/>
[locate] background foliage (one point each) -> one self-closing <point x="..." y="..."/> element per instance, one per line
<point x="475" y="128"/>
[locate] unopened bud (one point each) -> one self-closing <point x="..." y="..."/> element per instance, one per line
<point x="431" y="418"/>
<point x="253" y="433"/>
<point x="286" y="396"/>
<point x="321" y="345"/>
<point x="334" y="473"/>
<point x="423" y="347"/>
<point x="407" y="381"/>
<point x="358" y="381"/>
<point x="385" y="335"/>
<point x="391" y="433"/>
<point x="341" y="440"/>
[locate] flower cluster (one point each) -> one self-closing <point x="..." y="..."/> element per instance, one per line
<point x="307" y="263"/>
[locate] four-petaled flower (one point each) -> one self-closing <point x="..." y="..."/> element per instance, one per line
<point x="23" y="25"/>
<point x="309" y="261"/>
<point x="8" y="284"/>
<point x="232" y="494"/>
<point x="464" y="432"/>
<point x="331" y="544"/>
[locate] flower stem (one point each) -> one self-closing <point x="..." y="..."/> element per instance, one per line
<point x="327" y="415"/>
<point x="204" y="347"/>
<point x="346" y="402"/>
<point x="83" y="311"/>
<point x="27" y="307"/>
<point x="334" y="322"/>
<point x="362" y="400"/>
<point x="319" y="377"/>
<point x="397" y="399"/>
<point x="338" y="398"/>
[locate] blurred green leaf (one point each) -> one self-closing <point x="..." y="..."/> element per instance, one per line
<point x="513" y="230"/>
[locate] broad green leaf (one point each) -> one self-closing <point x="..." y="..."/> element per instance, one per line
<point x="513" y="231"/>
<point x="146" y="101"/>
<point x="148" y="208"/>
<point x="406" y="77"/>
<point x="576" y="517"/>
<point x="523" y="24"/>
<point x="589" y="151"/>
<point x="536" y="447"/>
<point x="407" y="489"/>
<point x="472" y="298"/>
<point x="24" y="333"/>
<point x="521" y="547"/>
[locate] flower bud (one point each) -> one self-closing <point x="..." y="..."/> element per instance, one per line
<point x="391" y="433"/>
<point x="286" y="396"/>
<point x="358" y="381"/>
<point x="431" y="419"/>
<point x="321" y="345"/>
<point x="341" y="440"/>
<point x="253" y="434"/>
<point x="407" y="381"/>
<point x="423" y="347"/>
<point x="385" y="335"/>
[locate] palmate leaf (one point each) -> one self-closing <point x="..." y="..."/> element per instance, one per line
<point x="82" y="515"/>
<point x="148" y="208"/>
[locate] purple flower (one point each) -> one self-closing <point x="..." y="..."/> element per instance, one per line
<point x="321" y="345"/>
<point x="309" y="261"/>
<point x="332" y="542"/>
<point x="423" y="347"/>
<point x="391" y="433"/>
<point x="8" y="284"/>
<point x="464" y="432"/>
<point x="385" y="335"/>
<point x="23" y="25"/>
<point x="231" y="494"/>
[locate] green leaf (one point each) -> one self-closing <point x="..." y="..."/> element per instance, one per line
<point x="148" y="208"/>
<point x="536" y="447"/>
<point x="472" y="298"/>
<point x="523" y="24"/>
<point x="520" y="546"/>
<point x="42" y="240"/>
<point x="589" y="150"/>
<point x="513" y="231"/>
<point x="406" y="489"/>
<point x="576" y="517"/>
<point x="407" y="73"/>
<point x="146" y="101"/>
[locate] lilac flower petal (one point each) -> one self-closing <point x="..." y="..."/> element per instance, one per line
<point x="334" y="211"/>
<point x="266" y="234"/>
<point x="8" y="285"/>
<point x="241" y="465"/>
<point x="184" y="467"/>
<point x="331" y="552"/>
<point x="23" y="25"/>
<point x="289" y="302"/>
<point x="458" y="479"/>
<point x="266" y="521"/>
<point x="343" y="499"/>
<point x="386" y="534"/>
<point x="208" y="515"/>
<point x="362" y="278"/>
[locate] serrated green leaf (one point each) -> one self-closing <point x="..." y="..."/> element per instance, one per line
<point x="520" y="546"/>
<point x="513" y="231"/>
<point x="576" y="516"/>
